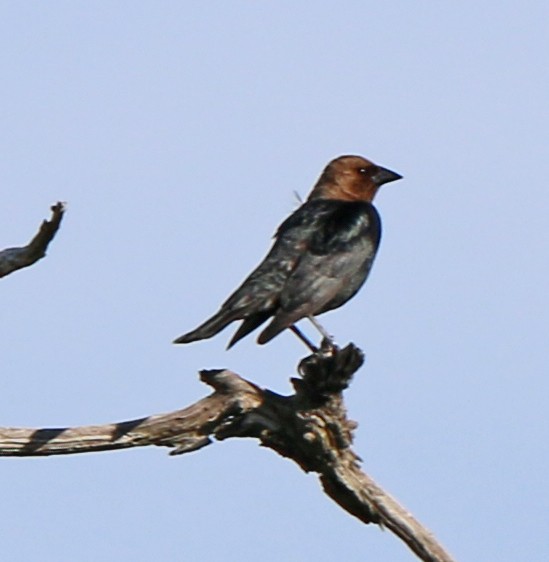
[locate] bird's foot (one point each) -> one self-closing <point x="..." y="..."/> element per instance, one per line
<point x="328" y="346"/>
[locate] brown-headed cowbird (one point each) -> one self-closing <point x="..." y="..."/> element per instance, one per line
<point x="321" y="256"/>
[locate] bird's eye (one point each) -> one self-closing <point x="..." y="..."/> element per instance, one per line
<point x="363" y="170"/>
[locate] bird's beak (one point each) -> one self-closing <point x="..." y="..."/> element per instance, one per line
<point x="383" y="175"/>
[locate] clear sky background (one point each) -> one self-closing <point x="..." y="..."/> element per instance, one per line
<point x="177" y="132"/>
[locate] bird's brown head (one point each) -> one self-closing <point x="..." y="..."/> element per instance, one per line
<point x="351" y="178"/>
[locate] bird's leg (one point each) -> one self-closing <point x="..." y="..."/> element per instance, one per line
<point x="303" y="338"/>
<point x="327" y="339"/>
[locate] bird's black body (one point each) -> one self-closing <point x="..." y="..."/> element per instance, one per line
<point x="322" y="255"/>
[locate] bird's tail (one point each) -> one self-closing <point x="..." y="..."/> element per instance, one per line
<point x="277" y="325"/>
<point x="209" y="328"/>
<point x="249" y="325"/>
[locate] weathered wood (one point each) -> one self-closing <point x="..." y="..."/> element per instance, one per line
<point x="310" y="427"/>
<point x="13" y="259"/>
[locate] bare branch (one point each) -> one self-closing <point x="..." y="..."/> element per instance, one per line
<point x="310" y="427"/>
<point x="13" y="259"/>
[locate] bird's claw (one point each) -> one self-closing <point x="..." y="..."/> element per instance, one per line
<point x="328" y="346"/>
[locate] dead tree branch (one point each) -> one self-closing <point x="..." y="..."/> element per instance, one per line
<point x="310" y="427"/>
<point x="13" y="259"/>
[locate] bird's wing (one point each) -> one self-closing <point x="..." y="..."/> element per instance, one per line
<point x="261" y="289"/>
<point x="319" y="281"/>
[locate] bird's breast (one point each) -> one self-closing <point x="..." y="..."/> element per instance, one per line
<point x="351" y="224"/>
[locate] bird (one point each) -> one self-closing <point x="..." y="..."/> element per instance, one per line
<point x="321" y="256"/>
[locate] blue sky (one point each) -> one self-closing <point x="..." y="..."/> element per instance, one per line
<point x="178" y="133"/>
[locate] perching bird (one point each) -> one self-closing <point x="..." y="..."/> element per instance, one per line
<point x="321" y="256"/>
